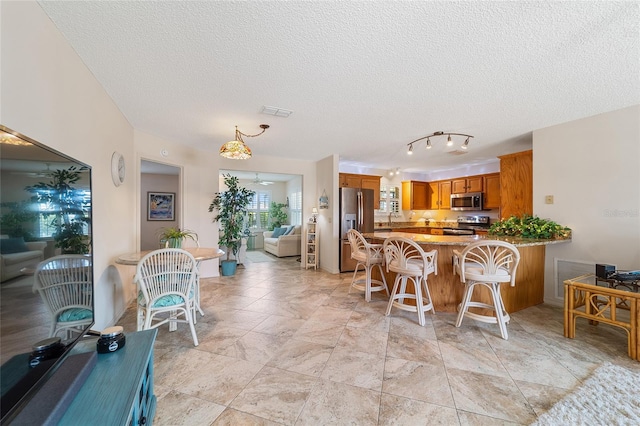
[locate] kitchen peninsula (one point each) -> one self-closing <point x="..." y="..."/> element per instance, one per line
<point x="445" y="287"/>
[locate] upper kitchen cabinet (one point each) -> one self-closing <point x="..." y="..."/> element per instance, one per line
<point x="492" y="191"/>
<point x="468" y="184"/>
<point x="434" y="196"/>
<point x="362" y="181"/>
<point x="516" y="184"/>
<point x="445" y="194"/>
<point x="439" y="195"/>
<point x="415" y="195"/>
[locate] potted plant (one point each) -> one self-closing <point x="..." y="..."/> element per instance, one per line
<point x="528" y="226"/>
<point x="277" y="215"/>
<point x="173" y="237"/>
<point x="231" y="207"/>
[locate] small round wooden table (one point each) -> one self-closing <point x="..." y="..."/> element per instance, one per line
<point x="199" y="253"/>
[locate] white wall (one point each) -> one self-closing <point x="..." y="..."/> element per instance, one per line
<point x="198" y="184"/>
<point x="591" y="167"/>
<point x="328" y="219"/>
<point x="49" y="95"/>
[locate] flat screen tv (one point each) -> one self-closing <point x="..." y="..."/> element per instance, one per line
<point x="45" y="211"/>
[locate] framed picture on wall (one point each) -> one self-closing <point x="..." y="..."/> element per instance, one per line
<point x="161" y="205"/>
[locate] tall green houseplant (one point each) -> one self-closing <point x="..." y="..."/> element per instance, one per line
<point x="231" y="207"/>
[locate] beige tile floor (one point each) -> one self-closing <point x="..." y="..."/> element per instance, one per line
<point x="281" y="345"/>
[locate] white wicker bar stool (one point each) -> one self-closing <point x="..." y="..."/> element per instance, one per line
<point x="488" y="263"/>
<point x="407" y="259"/>
<point x="366" y="255"/>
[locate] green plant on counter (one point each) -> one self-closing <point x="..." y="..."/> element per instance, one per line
<point x="528" y="226"/>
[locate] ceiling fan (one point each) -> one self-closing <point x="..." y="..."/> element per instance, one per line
<point x="259" y="181"/>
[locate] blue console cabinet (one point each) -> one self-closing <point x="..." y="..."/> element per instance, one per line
<point x="119" y="390"/>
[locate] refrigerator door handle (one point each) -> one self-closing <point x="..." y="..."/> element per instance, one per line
<point x="360" y="211"/>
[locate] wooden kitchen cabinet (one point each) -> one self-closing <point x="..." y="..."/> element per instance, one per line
<point x="434" y="195"/>
<point x="351" y="180"/>
<point x="415" y="195"/>
<point x="467" y="184"/>
<point x="516" y="184"/>
<point x="444" y="187"/>
<point x="439" y="195"/>
<point x="492" y="191"/>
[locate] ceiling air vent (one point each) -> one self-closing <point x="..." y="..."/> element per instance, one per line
<point x="278" y="112"/>
<point x="457" y="152"/>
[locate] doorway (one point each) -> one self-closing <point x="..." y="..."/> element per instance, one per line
<point x="158" y="181"/>
<point x="280" y="188"/>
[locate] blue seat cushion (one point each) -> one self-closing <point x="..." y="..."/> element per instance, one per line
<point x="75" y="314"/>
<point x="164" y="301"/>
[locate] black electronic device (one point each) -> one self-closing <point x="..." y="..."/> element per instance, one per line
<point x="604" y="271"/>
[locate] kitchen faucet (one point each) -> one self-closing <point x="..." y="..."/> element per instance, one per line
<point x="394" y="215"/>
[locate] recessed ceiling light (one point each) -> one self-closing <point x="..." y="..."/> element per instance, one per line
<point x="278" y="112"/>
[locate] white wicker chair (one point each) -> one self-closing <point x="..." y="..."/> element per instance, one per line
<point x="65" y="284"/>
<point x="167" y="279"/>
<point x="488" y="263"/>
<point x="407" y="259"/>
<point x="366" y="255"/>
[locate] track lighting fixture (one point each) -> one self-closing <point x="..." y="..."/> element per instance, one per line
<point x="449" y="140"/>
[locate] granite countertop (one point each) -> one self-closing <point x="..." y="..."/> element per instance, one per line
<point x="460" y="240"/>
<point x="380" y="226"/>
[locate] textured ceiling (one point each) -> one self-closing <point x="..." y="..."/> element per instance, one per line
<point x="362" y="78"/>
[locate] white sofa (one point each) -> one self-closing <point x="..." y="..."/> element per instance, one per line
<point x="12" y="263"/>
<point x="284" y="245"/>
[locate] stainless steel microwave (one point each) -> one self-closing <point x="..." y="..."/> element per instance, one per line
<point x="467" y="202"/>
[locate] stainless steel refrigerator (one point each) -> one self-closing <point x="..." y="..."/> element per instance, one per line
<point x="356" y="212"/>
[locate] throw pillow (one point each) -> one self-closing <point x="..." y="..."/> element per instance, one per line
<point x="12" y="245"/>
<point x="277" y="232"/>
<point x="289" y="230"/>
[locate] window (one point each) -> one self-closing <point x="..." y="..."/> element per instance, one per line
<point x="258" y="217"/>
<point x="71" y="212"/>
<point x="389" y="199"/>
<point x="296" y="208"/>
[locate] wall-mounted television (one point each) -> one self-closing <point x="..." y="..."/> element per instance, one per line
<point x="45" y="214"/>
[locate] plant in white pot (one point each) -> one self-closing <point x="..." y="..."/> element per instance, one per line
<point x="231" y="207"/>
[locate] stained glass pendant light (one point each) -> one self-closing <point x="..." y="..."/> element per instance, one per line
<point x="237" y="149"/>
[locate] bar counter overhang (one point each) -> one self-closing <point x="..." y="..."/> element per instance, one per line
<point x="446" y="289"/>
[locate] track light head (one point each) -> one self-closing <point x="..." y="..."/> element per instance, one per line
<point x="465" y="144"/>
